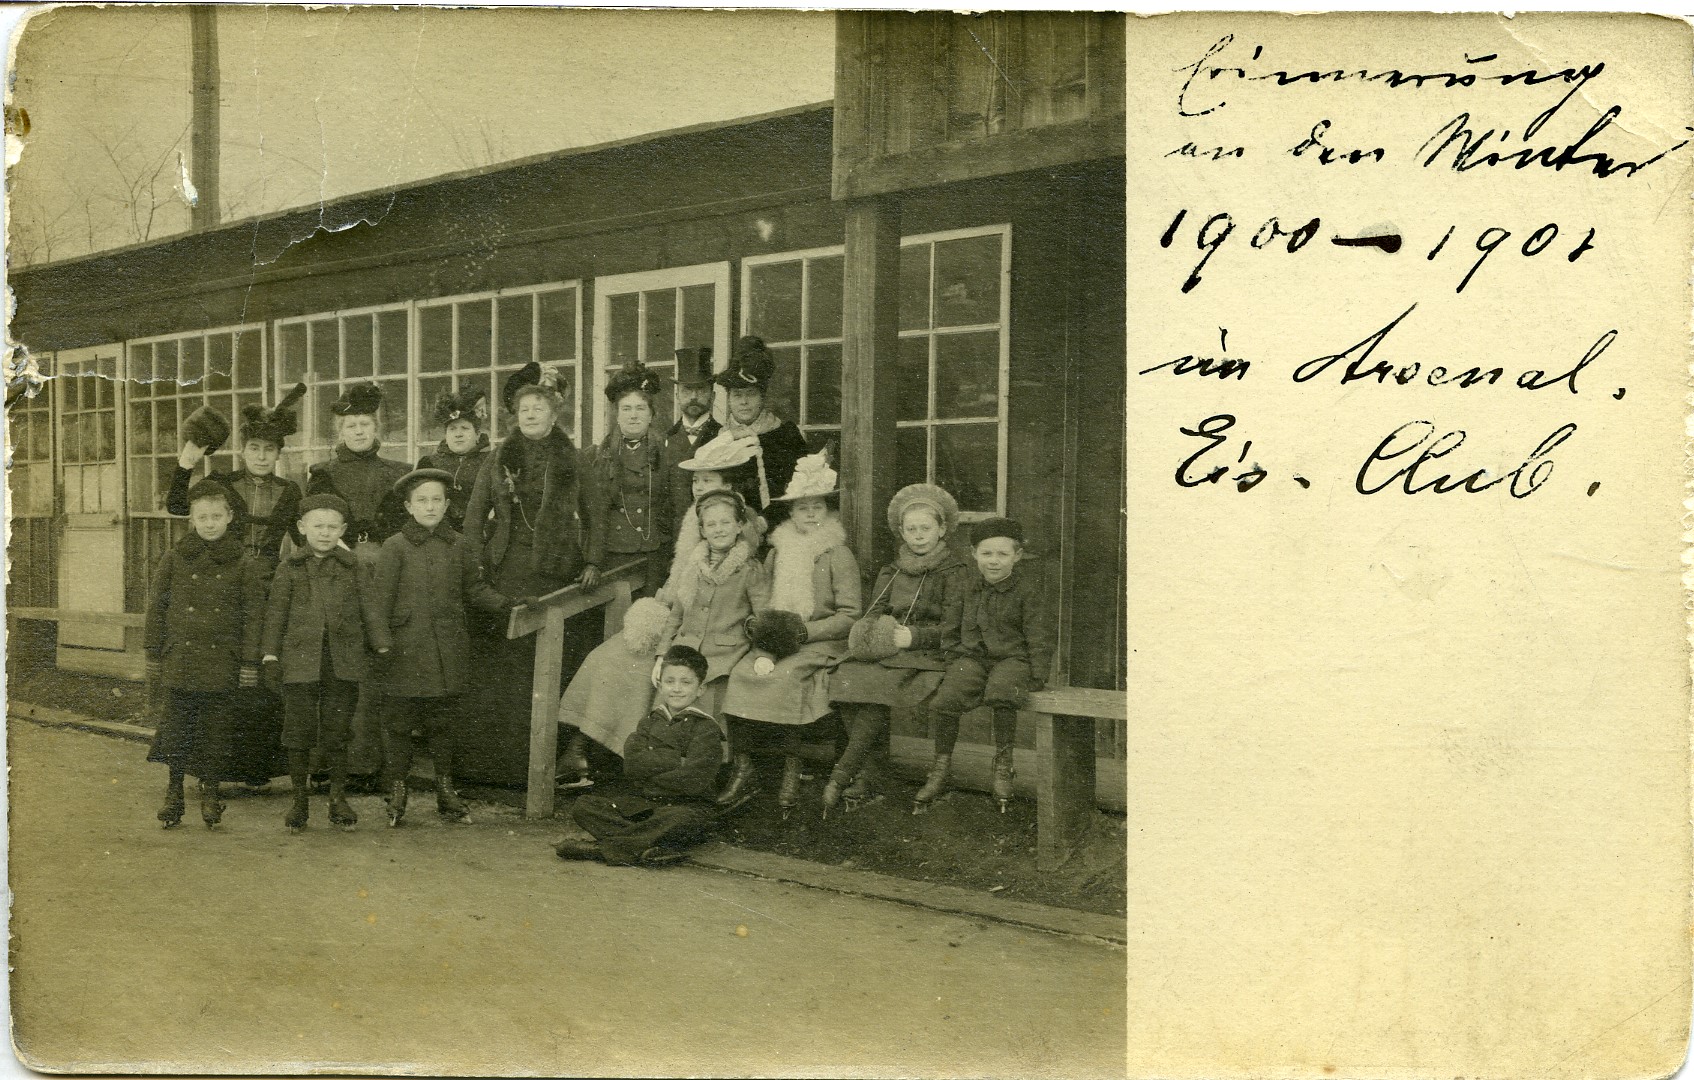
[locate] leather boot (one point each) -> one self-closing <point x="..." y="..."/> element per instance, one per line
<point x="341" y="815"/>
<point x="211" y="810"/>
<point x="934" y="785"/>
<point x="396" y="803"/>
<point x="788" y="795"/>
<point x="862" y="790"/>
<point x="300" y="809"/>
<point x="1003" y="773"/>
<point x="571" y="769"/>
<point x="742" y="779"/>
<point x="447" y="801"/>
<point x="833" y="789"/>
<point x="170" y="814"/>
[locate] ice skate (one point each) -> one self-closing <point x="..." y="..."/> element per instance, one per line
<point x="832" y="790"/>
<point x="788" y="795"/>
<point x="862" y="791"/>
<point x="933" y="787"/>
<point x="447" y="801"/>
<point x="341" y="814"/>
<point x="211" y="810"/>
<point x="1003" y="774"/>
<point x="299" y="811"/>
<point x="396" y="803"/>
<point x="170" y="814"/>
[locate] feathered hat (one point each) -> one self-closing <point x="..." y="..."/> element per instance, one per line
<point x="721" y="453"/>
<point x="360" y="399"/>
<point x="945" y="506"/>
<point x="694" y="366"/>
<point x="468" y="404"/>
<point x="530" y="375"/>
<point x="813" y="479"/>
<point x="751" y="365"/>
<point x="274" y="424"/>
<point x="633" y="377"/>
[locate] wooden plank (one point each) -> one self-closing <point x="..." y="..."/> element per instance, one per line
<point x="1080" y="701"/>
<point x="870" y="352"/>
<point x="617" y="607"/>
<point x="573" y="600"/>
<point x="92" y="618"/>
<point x="969" y="159"/>
<point x="1064" y="787"/>
<point x="973" y="768"/>
<point x="544" y="713"/>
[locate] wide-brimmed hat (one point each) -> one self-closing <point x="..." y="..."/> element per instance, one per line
<point x="360" y="399"/>
<point x="403" y="486"/>
<point x="722" y="452"/>
<point x="694" y="366"/>
<point x="633" y="377"/>
<point x="945" y="506"/>
<point x="750" y="366"/>
<point x="470" y="404"/>
<point x="813" y="479"/>
<point x="274" y="424"/>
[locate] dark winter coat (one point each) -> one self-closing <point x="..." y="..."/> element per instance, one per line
<point x="1009" y="619"/>
<point x="923" y="595"/>
<point x="260" y="534"/>
<point x="366" y="481"/>
<point x="205" y="613"/>
<point x="678" y="450"/>
<point x="424" y="579"/>
<point x="626" y="498"/>
<point x="465" y="468"/>
<point x="674" y="757"/>
<point x="313" y="598"/>
<point x="557" y="514"/>
<point x="781" y="446"/>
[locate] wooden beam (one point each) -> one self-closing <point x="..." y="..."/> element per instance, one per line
<point x="1064" y="786"/>
<point x="92" y="618"/>
<point x="203" y="118"/>
<point x="543" y="714"/>
<point x="1080" y="701"/>
<point x="870" y="355"/>
<point x="573" y="601"/>
<point x="969" y="159"/>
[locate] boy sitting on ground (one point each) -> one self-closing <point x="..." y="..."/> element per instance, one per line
<point x="664" y="804"/>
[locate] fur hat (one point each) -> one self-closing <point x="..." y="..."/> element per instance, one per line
<point x="360" y="399"/>
<point x="403" y="486"/>
<point x="644" y="625"/>
<point x="872" y="638"/>
<point x="989" y="528"/>
<point x="207" y="488"/>
<point x="531" y="374"/>
<point x="206" y="427"/>
<point x="751" y="365"/>
<point x="694" y="366"/>
<point x="634" y="377"/>
<point x="275" y="424"/>
<point x="468" y="404"/>
<point x="945" y="506"/>
<point x="778" y="632"/>
<point x="324" y="501"/>
<point x="813" y="479"/>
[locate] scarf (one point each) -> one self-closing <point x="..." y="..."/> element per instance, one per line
<point x="796" y="552"/>
<point x="918" y="565"/>
<point x="696" y="567"/>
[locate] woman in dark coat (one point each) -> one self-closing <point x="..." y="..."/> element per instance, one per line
<point x="463" y="449"/>
<point x="267" y="505"/>
<point x="746" y="381"/>
<point x="895" y="657"/>
<point x="524" y="523"/>
<point x="626" y="490"/>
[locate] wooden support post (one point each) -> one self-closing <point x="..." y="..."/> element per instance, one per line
<point x="544" y="713"/>
<point x="203" y="115"/>
<point x="617" y="607"/>
<point x="870" y="351"/>
<point x="1064" y="788"/>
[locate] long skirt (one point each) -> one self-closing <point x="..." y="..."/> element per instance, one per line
<point x="224" y="735"/>
<point x="878" y="683"/>
<point x="794" y="691"/>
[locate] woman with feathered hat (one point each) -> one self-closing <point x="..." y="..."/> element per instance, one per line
<point x="626" y="489"/>
<point x="782" y="685"/>
<point x="746" y="382"/>
<point x="463" y="448"/>
<point x="895" y="651"/>
<point x="266" y="503"/>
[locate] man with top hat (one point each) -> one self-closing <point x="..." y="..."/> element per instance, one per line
<point x="358" y="474"/>
<point x="463" y="450"/>
<point x="746" y="382"/>
<point x="696" y="427"/>
<point x="265" y="503"/>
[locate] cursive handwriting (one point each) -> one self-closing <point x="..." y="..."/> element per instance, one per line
<point x="1472" y="149"/>
<point x="1524" y="480"/>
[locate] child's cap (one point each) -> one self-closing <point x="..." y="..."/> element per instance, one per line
<point x="688" y="657"/>
<point x="404" y="486"/>
<point x="207" y="488"/>
<point x="989" y="528"/>
<point x="325" y="501"/>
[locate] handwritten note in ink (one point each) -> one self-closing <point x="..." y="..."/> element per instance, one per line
<point x="1409" y="323"/>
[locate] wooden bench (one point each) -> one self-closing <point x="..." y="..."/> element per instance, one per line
<point x="1064" y="750"/>
<point x="546" y="619"/>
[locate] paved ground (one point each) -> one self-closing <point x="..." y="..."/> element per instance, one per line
<point x="453" y="949"/>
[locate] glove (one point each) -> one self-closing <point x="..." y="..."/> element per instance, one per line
<point x="590" y="577"/>
<point x="270" y="673"/>
<point x="249" y="679"/>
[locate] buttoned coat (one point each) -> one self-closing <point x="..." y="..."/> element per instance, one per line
<point x="626" y="497"/>
<point x="205" y="613"/>
<point x="424" y="578"/>
<point x="713" y="619"/>
<point x="299" y="617"/>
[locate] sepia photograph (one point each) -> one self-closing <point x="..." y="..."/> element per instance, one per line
<point x="567" y="542"/>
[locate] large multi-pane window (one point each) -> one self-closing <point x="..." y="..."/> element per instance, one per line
<point x="167" y="379"/>
<point x="950" y="401"/>
<point x="418" y="351"/>
<point x="30" y="421"/>
<point x="647" y="316"/>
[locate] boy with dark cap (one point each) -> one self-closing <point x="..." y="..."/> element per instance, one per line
<point x="463" y="449"/>
<point x="1001" y="650"/>
<point x="266" y="504"/>
<point x="664" y="803"/>
<point x="314" y="652"/>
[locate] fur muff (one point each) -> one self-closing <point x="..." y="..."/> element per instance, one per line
<point x="872" y="638"/>
<point x="206" y="427"/>
<point x="644" y="625"/>
<point x="778" y="632"/>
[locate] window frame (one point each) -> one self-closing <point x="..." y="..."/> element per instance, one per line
<point x="803" y="342"/>
<point x="638" y="282"/>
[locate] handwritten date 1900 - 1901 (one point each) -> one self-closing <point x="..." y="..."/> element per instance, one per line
<point x="1217" y="229"/>
<point x="1407" y="459"/>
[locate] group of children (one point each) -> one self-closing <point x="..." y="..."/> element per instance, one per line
<point x="352" y="600"/>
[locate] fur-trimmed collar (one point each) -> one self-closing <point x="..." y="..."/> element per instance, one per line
<point x="417" y="534"/>
<point x="339" y="553"/>
<point x="555" y="444"/>
<point x="765" y="423"/>
<point x="225" y="549"/>
<point x="795" y="554"/>
<point x="940" y="558"/>
<point x="686" y="576"/>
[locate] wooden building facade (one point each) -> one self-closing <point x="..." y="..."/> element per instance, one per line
<point x="943" y="287"/>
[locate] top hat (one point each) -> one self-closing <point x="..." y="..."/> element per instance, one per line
<point x="206" y="427"/>
<point x="470" y="404"/>
<point x="751" y="366"/>
<point x="360" y="399"/>
<point x="722" y="452"/>
<point x="633" y="377"/>
<point x="813" y="479"/>
<point x="275" y="424"/>
<point x="694" y="366"/>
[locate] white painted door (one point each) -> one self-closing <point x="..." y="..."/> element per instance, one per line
<point x="647" y="317"/>
<point x="91" y="558"/>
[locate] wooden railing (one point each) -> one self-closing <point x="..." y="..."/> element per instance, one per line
<point x="1064" y="750"/>
<point x="546" y="619"/>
